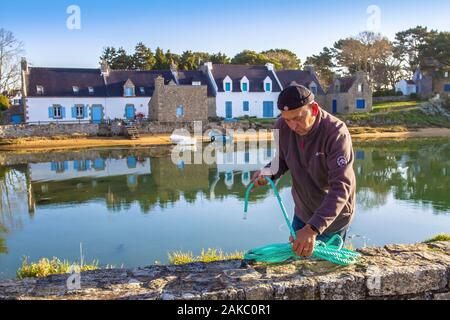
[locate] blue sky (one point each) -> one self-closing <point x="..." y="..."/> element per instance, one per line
<point x="304" y="27"/>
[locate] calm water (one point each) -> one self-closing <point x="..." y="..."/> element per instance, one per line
<point x="131" y="206"/>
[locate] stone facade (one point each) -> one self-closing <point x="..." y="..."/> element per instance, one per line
<point x="419" y="271"/>
<point x="167" y="99"/>
<point x="345" y="92"/>
<point x="47" y="130"/>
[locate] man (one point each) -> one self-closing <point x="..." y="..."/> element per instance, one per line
<point x="316" y="148"/>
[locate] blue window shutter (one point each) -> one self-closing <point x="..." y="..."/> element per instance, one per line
<point x="268" y="86"/>
<point x="246" y="106"/>
<point x="447" y="87"/>
<point x="88" y="164"/>
<point x="63" y="112"/>
<point x="50" y="112"/>
<point x="227" y="86"/>
<point x="85" y="112"/>
<point x="76" y="164"/>
<point x="360" y="104"/>
<point x="53" y="166"/>
<point x="66" y="165"/>
<point x="244" y="87"/>
<point x="74" y="112"/>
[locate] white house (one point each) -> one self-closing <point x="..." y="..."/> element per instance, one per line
<point x="407" y="87"/>
<point x="244" y="90"/>
<point x="93" y="95"/>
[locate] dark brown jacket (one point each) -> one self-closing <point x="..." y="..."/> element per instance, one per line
<point x="321" y="166"/>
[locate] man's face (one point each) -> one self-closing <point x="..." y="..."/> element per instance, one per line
<point x="300" y="120"/>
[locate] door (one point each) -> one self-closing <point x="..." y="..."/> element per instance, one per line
<point x="97" y="114"/>
<point x="334" y="109"/>
<point x="16" y="119"/>
<point x="268" y="109"/>
<point x="129" y="111"/>
<point x="228" y="110"/>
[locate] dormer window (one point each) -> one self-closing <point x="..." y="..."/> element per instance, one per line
<point x="129" y="91"/>
<point x="40" y="90"/>
<point x="196" y="83"/>
<point x="142" y="90"/>
<point x="91" y="90"/>
<point x="76" y="89"/>
<point x="336" y="88"/>
<point x="244" y="84"/>
<point x="313" y="88"/>
<point x="228" y="87"/>
<point x="268" y="87"/>
<point x="360" y="87"/>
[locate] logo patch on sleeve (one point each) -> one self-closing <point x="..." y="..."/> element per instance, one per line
<point x="341" y="161"/>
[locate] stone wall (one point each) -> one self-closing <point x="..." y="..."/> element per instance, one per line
<point x="391" y="99"/>
<point x="419" y="271"/>
<point x="47" y="130"/>
<point x="166" y="99"/>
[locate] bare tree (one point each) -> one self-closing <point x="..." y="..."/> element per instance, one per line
<point x="11" y="50"/>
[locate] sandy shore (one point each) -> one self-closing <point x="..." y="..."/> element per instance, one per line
<point x="155" y="140"/>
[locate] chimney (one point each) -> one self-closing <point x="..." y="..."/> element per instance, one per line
<point x="174" y="71"/>
<point x="309" y="68"/>
<point x="159" y="82"/>
<point x="104" y="66"/>
<point x="24" y="65"/>
<point x="270" y="66"/>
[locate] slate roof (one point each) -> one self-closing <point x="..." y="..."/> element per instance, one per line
<point x="187" y="77"/>
<point x="299" y="76"/>
<point x="345" y="84"/>
<point x="58" y="82"/>
<point x="255" y="74"/>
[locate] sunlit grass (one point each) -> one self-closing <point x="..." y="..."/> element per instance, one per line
<point x="439" y="237"/>
<point x="46" y="267"/>
<point x="207" y="256"/>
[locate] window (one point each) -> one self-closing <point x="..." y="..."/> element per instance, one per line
<point x="76" y="89"/>
<point x="446" y="74"/>
<point x="180" y="111"/>
<point x="79" y="111"/>
<point x="268" y="87"/>
<point x="244" y="87"/>
<point x="246" y="106"/>
<point x="336" y="88"/>
<point x="360" y="87"/>
<point x="142" y="90"/>
<point x="57" y="112"/>
<point x="196" y="83"/>
<point x="40" y="89"/>
<point x="91" y="90"/>
<point x="313" y="89"/>
<point x="360" y="104"/>
<point x="447" y="87"/>
<point x="129" y="91"/>
<point x="227" y="87"/>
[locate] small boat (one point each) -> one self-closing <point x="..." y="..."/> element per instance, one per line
<point x="183" y="140"/>
<point x="219" y="137"/>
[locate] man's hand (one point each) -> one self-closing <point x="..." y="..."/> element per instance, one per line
<point x="303" y="246"/>
<point x="259" y="177"/>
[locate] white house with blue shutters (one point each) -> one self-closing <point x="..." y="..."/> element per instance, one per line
<point x="244" y="90"/>
<point x="93" y="95"/>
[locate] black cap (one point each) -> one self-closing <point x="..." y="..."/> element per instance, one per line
<point x="293" y="97"/>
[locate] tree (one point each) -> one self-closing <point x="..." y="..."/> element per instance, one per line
<point x="409" y="44"/>
<point x="109" y="55"/>
<point x="219" y="58"/>
<point x="143" y="58"/>
<point x="437" y="48"/>
<point x="188" y="61"/>
<point x="160" y="60"/>
<point x="252" y="57"/>
<point x="287" y="59"/>
<point x="10" y="52"/>
<point x="323" y="66"/>
<point x="4" y="103"/>
<point x="172" y="59"/>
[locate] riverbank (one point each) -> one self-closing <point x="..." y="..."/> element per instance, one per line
<point x="61" y="143"/>
<point x="418" y="271"/>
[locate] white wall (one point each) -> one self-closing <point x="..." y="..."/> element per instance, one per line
<point x="405" y="88"/>
<point x="37" y="108"/>
<point x="255" y="100"/>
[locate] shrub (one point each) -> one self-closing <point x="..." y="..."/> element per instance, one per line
<point x="46" y="267"/>
<point x="4" y="103"/>
<point x="207" y="256"/>
<point x="439" y="237"/>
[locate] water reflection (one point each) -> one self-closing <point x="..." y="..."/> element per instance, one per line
<point x="413" y="173"/>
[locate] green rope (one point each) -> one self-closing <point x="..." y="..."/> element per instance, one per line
<point x="332" y="250"/>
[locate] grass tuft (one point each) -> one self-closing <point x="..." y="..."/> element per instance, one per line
<point x="45" y="267"/>
<point x="207" y="256"/>
<point x="439" y="237"/>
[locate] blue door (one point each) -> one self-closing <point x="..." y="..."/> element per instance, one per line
<point x="97" y="114"/>
<point x="228" y="110"/>
<point x="268" y="109"/>
<point x="360" y="104"/>
<point x="16" y="119"/>
<point x="129" y="111"/>
<point x="334" y="109"/>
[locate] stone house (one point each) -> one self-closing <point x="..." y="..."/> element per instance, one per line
<point x="349" y="94"/>
<point x="178" y="103"/>
<point x="433" y="78"/>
